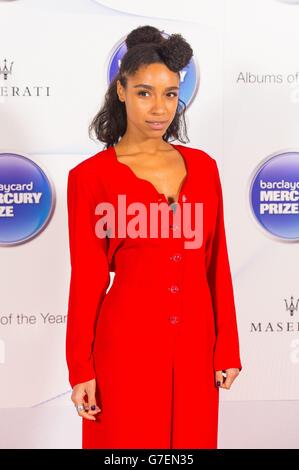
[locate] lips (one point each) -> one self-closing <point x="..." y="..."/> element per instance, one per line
<point x="156" y="124"/>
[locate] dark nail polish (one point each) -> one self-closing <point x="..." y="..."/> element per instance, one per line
<point x="218" y="383"/>
<point x="93" y="407"/>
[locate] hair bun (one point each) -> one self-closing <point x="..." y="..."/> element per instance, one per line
<point x="144" y="34"/>
<point x="176" y="52"/>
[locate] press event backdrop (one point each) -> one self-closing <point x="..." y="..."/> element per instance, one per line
<point x="242" y="92"/>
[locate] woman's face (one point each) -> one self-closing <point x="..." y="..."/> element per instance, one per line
<point x="151" y="95"/>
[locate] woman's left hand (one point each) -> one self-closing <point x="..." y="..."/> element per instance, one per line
<point x="226" y="381"/>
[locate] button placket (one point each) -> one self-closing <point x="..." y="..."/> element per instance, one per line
<point x="174" y="288"/>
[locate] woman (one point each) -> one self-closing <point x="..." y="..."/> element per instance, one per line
<point x="147" y="358"/>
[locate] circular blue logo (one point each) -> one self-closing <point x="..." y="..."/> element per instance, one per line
<point x="274" y="195"/>
<point x="26" y="199"/>
<point x="188" y="75"/>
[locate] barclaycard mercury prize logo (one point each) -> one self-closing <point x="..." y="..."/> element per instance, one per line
<point x="274" y="196"/>
<point x="26" y="199"/>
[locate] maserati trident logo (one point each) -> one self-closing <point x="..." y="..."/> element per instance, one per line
<point x="290" y="325"/>
<point x="5" y="71"/>
<point x="14" y="90"/>
<point x="291" y="308"/>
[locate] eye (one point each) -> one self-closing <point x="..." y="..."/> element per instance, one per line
<point x="140" y="93"/>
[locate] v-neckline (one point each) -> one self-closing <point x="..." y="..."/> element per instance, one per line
<point x="161" y="195"/>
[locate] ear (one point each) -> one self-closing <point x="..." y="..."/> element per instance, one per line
<point x="119" y="90"/>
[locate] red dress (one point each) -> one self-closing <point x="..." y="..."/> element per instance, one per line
<point x="154" y="340"/>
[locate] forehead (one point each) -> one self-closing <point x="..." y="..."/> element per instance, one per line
<point x="156" y="75"/>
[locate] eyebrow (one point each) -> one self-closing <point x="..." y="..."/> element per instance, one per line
<point x="150" y="87"/>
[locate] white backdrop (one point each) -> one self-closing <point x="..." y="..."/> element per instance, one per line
<point x="241" y="114"/>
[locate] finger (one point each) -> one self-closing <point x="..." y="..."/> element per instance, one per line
<point x="92" y="405"/>
<point x="84" y="414"/>
<point x="228" y="382"/>
<point x="82" y="401"/>
<point x="86" y="397"/>
<point x="219" y="379"/>
<point x="231" y="374"/>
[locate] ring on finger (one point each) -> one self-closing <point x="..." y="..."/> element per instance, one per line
<point x="80" y="407"/>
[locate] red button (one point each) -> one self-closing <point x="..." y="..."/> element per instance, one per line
<point x="174" y="319"/>
<point x="173" y="289"/>
<point x="176" y="257"/>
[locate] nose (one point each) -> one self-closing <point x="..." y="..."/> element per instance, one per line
<point x="158" y="105"/>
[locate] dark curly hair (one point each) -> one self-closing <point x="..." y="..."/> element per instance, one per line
<point x="145" y="45"/>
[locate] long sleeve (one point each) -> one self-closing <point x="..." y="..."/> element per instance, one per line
<point x="226" y="352"/>
<point x="89" y="278"/>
